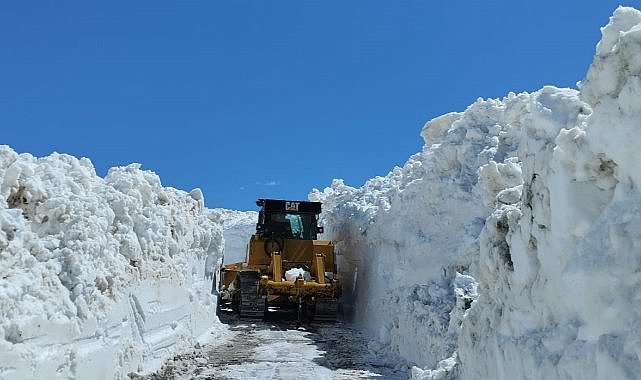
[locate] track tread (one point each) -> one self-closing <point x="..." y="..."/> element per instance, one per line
<point x="251" y="304"/>
<point x="326" y="309"/>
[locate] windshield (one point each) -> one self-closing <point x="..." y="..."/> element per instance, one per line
<point x="293" y="226"/>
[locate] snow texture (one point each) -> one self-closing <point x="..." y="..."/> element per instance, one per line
<point x="100" y="277"/>
<point x="509" y="247"/>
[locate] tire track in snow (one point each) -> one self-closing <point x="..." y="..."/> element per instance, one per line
<point x="281" y="350"/>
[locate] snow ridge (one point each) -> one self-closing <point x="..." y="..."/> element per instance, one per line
<point x="397" y="232"/>
<point x="507" y="247"/>
<point x="105" y="270"/>
<point x="238" y="227"/>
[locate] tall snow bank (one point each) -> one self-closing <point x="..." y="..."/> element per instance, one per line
<point x="100" y="277"/>
<point x="508" y="248"/>
<point x="569" y="306"/>
<point x="407" y="240"/>
<point x="238" y="227"/>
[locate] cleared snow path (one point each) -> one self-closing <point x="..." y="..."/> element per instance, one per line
<point x="281" y="350"/>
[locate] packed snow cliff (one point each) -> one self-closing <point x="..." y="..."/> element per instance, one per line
<point x="100" y="277"/>
<point x="238" y="227"/>
<point x="510" y="246"/>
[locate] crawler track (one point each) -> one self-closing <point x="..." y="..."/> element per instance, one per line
<point x="326" y="309"/>
<point x="251" y="303"/>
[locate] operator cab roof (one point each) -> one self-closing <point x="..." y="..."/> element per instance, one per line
<point x="279" y="205"/>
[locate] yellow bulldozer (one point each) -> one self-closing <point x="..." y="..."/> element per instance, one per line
<point x="285" y="265"/>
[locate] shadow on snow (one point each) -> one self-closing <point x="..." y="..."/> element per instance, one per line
<point x="342" y="346"/>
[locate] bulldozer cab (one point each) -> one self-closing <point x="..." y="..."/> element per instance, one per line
<point x="288" y="219"/>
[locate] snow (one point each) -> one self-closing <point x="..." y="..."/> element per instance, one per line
<point x="507" y="248"/>
<point x="292" y="274"/>
<point x="101" y="277"/>
<point x="238" y="227"/>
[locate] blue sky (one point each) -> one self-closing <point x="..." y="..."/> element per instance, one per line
<point x="249" y="99"/>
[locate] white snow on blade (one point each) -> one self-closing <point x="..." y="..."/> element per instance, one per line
<point x="509" y="247"/>
<point x="292" y="274"/>
<point x="100" y="277"/>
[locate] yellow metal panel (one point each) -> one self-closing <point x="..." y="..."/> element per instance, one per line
<point x="318" y="268"/>
<point x="277" y="266"/>
<point x="256" y="255"/>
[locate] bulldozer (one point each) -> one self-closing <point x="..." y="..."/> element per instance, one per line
<point x="286" y="266"/>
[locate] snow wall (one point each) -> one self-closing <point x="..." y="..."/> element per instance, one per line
<point x="510" y="247"/>
<point x="238" y="227"/>
<point x="100" y="277"/>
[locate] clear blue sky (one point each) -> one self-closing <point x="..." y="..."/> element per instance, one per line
<point x="248" y="99"/>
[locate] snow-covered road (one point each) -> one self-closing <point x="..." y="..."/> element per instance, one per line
<point x="281" y="350"/>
